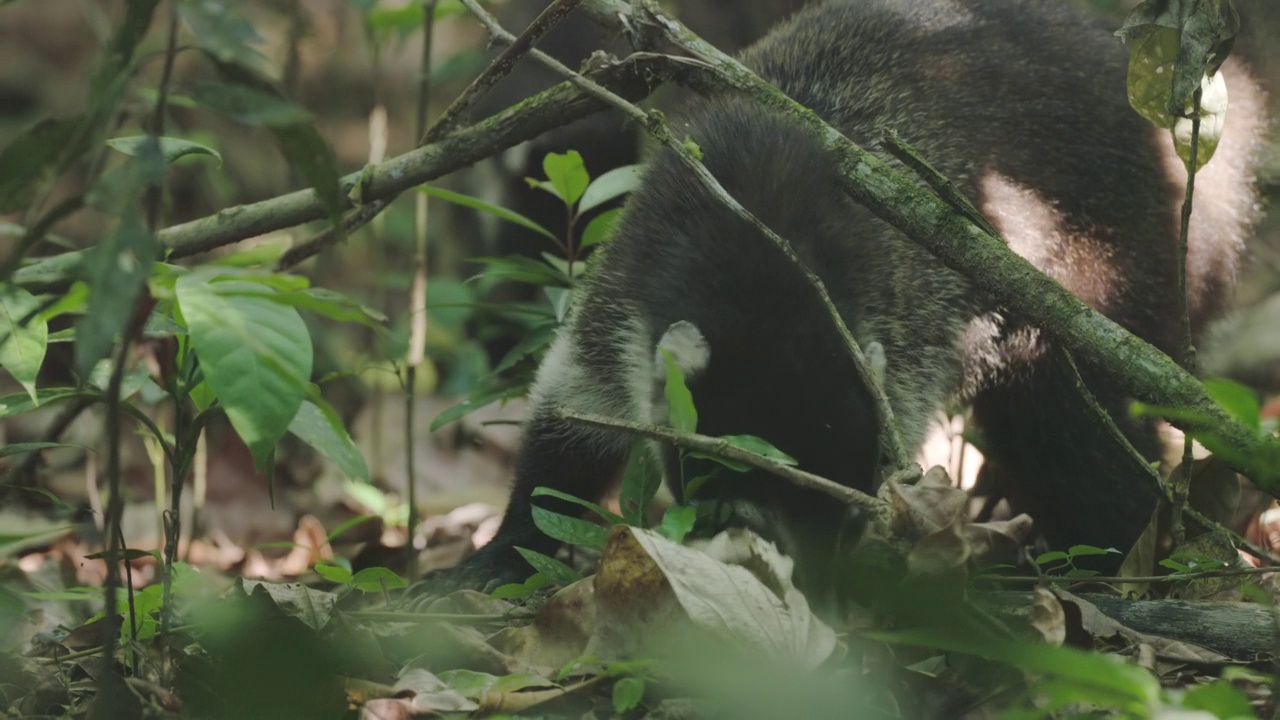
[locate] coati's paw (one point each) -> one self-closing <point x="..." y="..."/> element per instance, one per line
<point x="482" y="572"/>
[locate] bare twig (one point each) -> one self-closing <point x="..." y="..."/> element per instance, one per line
<point x="722" y="448"/>
<point x="499" y="68"/>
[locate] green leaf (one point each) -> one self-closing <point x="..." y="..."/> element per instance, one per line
<point x="531" y="344"/>
<point x="11" y="405"/>
<point x="614" y="183"/>
<point x="319" y="426"/>
<point x="1051" y="556"/>
<point x="495" y="210"/>
<point x="313" y="159"/>
<point x="26" y="160"/>
<point x="519" y="591"/>
<point x="255" y="354"/>
<point x="407" y="19"/>
<point x="171" y="148"/>
<point x="1093" y="677"/>
<point x="518" y="268"/>
<point x="378" y="579"/>
<point x="554" y="570"/>
<point x="221" y="30"/>
<point x="683" y="415"/>
<point x="627" y="694"/>
<point x="250" y="106"/>
<point x="348" y="524"/>
<point x="24" y="337"/>
<point x="570" y="530"/>
<point x="1239" y="401"/>
<point x="117" y="268"/>
<point x="333" y="573"/>
<point x="567" y="175"/>
<point x="20" y="448"/>
<point x="493" y="391"/>
<point x="1220" y="698"/>
<point x="599" y="229"/>
<point x="640" y="482"/>
<point x="677" y="522"/>
<point x="609" y="517"/>
<point x="1076" y="551"/>
<point x="759" y="446"/>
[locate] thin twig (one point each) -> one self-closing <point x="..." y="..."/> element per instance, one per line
<point x="720" y="447"/>
<point x="499" y="68"/>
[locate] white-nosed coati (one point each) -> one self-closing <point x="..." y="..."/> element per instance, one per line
<point x="1022" y="104"/>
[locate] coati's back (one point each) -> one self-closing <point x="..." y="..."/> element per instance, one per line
<point x="1023" y="107"/>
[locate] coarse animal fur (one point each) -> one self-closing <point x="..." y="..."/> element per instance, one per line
<point x="1022" y="104"/>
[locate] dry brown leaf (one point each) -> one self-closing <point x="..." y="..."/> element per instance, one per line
<point x="1047" y="617"/>
<point x="942" y="553"/>
<point x="1103" y="627"/>
<point x="998" y="542"/>
<point x="921" y="509"/>
<point x="648" y="585"/>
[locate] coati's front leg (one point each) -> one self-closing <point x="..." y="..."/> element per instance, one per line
<point x="600" y="363"/>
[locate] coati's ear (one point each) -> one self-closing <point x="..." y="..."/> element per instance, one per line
<point x="687" y="347"/>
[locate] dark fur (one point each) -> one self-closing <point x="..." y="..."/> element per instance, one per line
<point x="1020" y="103"/>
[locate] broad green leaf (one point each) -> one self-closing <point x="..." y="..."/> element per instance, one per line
<point x="377" y="579"/>
<point x="329" y="303"/>
<point x="554" y="570"/>
<point x="570" y="530"/>
<point x="333" y="573"/>
<point x="171" y="148"/>
<point x="1239" y="401"/>
<point x="321" y="428"/>
<point x="759" y="446"/>
<point x="495" y="210"/>
<point x="567" y="175"/>
<point x="312" y="607"/>
<point x="407" y="19"/>
<point x="24" y="337"/>
<point x="28" y="157"/>
<point x="116" y="269"/>
<point x="627" y="694"/>
<point x="11" y="405"/>
<point x="1220" y="698"/>
<point x="221" y="30"/>
<point x="683" y="415"/>
<point x="20" y="448"/>
<point x="250" y="106"/>
<point x="640" y="482"/>
<point x="1102" y="678"/>
<point x="518" y="268"/>
<point x="610" y="517"/>
<point x="312" y="158"/>
<point x="493" y="391"/>
<point x="677" y="522"/>
<point x="599" y="229"/>
<point x="531" y="344"/>
<point x="1086" y="550"/>
<point x="256" y="356"/>
<point x="616" y="182"/>
<point x="519" y="591"/>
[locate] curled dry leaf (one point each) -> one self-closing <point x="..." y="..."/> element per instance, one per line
<point x="1047" y="616"/>
<point x="649" y="587"/>
<point x="997" y="542"/>
<point x="942" y="553"/>
<point x="922" y="509"/>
